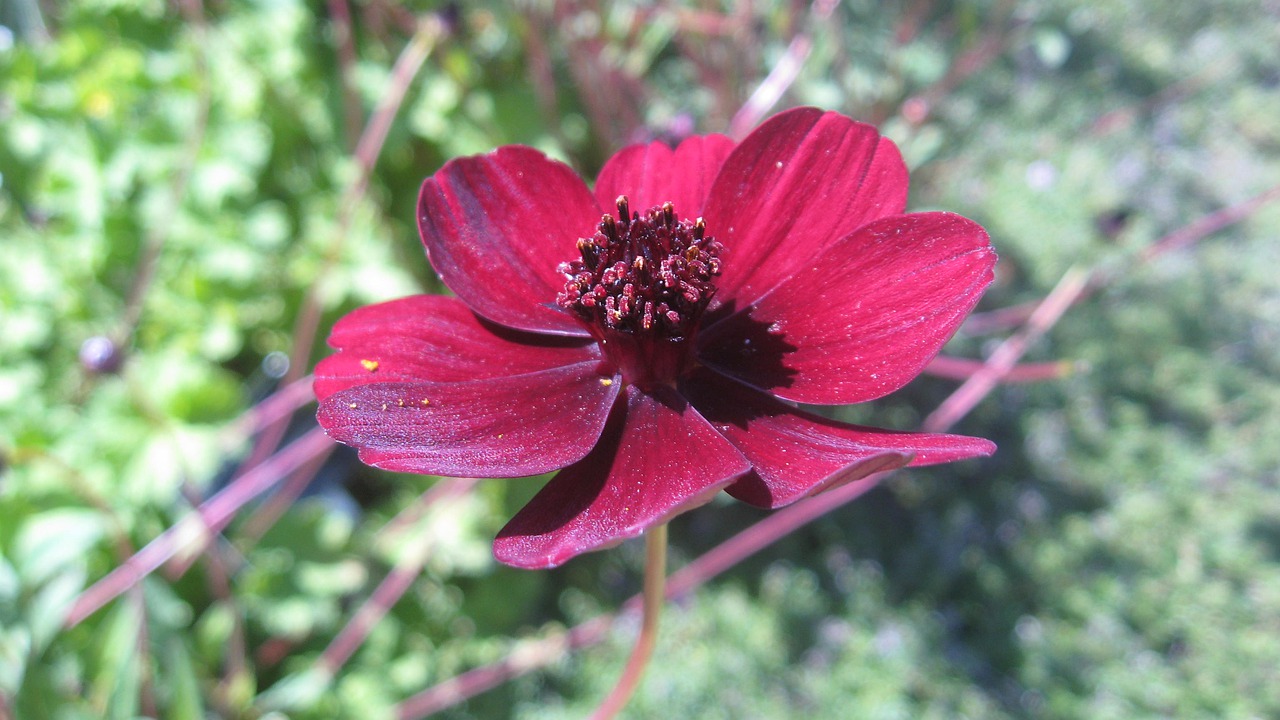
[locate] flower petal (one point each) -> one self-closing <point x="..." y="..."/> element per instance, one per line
<point x="864" y="317"/>
<point x="795" y="454"/>
<point x="658" y="458"/>
<point x="495" y="427"/>
<point x="797" y="184"/>
<point x="438" y="339"/>
<point x="654" y="173"/>
<point x="496" y="226"/>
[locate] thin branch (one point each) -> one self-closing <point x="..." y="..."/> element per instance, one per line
<point x="277" y="406"/>
<point x="1001" y="362"/>
<point x="998" y="320"/>
<point x="912" y="20"/>
<point x="525" y="657"/>
<point x="142" y="649"/>
<point x="954" y="368"/>
<point x="1075" y="286"/>
<point x="1208" y="75"/>
<point x="976" y="56"/>
<point x="393" y="586"/>
<point x="420" y="46"/>
<point x="344" y="36"/>
<point x="271" y="509"/>
<point x="406" y="520"/>
<point x="611" y="96"/>
<point x="218" y="578"/>
<point x="541" y="71"/>
<point x="190" y="533"/>
<point x="1209" y="224"/>
<point x="783" y="74"/>
<point x="655" y="578"/>
<point x="235" y="668"/>
<point x="1185" y="236"/>
<point x="703" y="22"/>
<point x="406" y="68"/>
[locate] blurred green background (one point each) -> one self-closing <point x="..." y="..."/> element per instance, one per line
<point x="180" y="186"/>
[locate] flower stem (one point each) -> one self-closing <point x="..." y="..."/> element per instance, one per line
<point x="655" y="580"/>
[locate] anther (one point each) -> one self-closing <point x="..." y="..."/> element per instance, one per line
<point x="648" y="272"/>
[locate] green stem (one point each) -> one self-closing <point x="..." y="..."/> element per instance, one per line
<point x="655" y="580"/>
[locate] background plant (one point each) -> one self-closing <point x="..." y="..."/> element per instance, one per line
<point x="207" y="187"/>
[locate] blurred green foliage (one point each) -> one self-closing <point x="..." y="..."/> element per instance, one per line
<point x="178" y="179"/>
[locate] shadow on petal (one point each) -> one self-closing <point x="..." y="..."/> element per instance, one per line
<point x="656" y="459"/>
<point x="746" y="348"/>
<point x="795" y="454"/>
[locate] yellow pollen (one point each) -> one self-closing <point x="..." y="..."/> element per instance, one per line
<point x="370" y="365"/>
<point x="400" y="402"/>
<point x="606" y="381"/>
<point x="425" y="402"/>
<point x="351" y="405"/>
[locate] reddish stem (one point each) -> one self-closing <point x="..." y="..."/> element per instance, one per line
<point x="406" y="68"/>
<point x="655" y="577"/>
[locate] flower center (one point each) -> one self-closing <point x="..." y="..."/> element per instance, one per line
<point x="640" y="287"/>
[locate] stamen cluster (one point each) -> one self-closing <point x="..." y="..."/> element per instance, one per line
<point x="647" y="273"/>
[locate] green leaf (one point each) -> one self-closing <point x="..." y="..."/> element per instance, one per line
<point x="55" y="541"/>
<point x="181" y="684"/>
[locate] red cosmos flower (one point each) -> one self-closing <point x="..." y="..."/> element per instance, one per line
<point x="652" y="356"/>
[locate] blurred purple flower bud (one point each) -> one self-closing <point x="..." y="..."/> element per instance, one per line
<point x="99" y="355"/>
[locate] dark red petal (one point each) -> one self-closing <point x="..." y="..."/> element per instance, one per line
<point x="796" y="185"/>
<point x="496" y="226"/>
<point x="496" y="427"/>
<point x="864" y="317"/>
<point x="438" y="339"/>
<point x="658" y="458"/>
<point x="653" y="174"/>
<point x="795" y="454"/>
